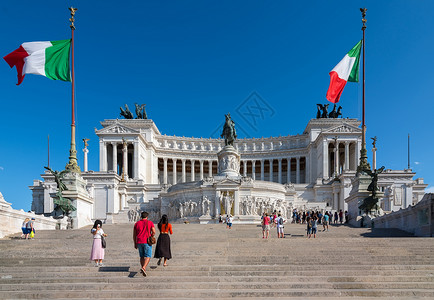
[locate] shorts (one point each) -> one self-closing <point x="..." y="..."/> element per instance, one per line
<point x="230" y="225"/>
<point x="144" y="250"/>
<point x="325" y="223"/>
<point x="28" y="231"/>
<point x="280" y="229"/>
<point x="314" y="230"/>
<point x="265" y="227"/>
<point x="309" y="230"/>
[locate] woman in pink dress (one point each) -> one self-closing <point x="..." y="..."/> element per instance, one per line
<point x="97" y="253"/>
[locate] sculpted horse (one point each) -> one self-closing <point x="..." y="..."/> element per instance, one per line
<point x="126" y="113"/>
<point x="229" y="133"/>
<point x="335" y="114"/>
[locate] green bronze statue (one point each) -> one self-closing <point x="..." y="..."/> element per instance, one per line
<point x="62" y="203"/>
<point x="371" y="202"/>
<point x="229" y="133"/>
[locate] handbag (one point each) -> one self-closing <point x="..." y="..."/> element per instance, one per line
<point x="151" y="240"/>
<point x="103" y="242"/>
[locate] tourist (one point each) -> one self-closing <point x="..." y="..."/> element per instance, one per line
<point x="279" y="226"/>
<point x="265" y="226"/>
<point x="347" y="216"/>
<point x="303" y="217"/>
<point x="341" y="216"/>
<point x="325" y="222"/>
<point x="162" y="250"/>
<point x="143" y="229"/>
<point x="30" y="228"/>
<point x="24" y="228"/>
<point x="309" y="227"/>
<point x="230" y="221"/>
<point x="97" y="253"/>
<point x="314" y="225"/>
<point x="220" y="219"/>
<point x="273" y="219"/>
<point x="336" y="217"/>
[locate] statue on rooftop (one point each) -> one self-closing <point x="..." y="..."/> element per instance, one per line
<point x="126" y="113"/>
<point x="140" y="111"/>
<point x="335" y="114"/>
<point x="229" y="133"/>
<point x="322" y="111"/>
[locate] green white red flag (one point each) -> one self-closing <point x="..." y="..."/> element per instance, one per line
<point x="346" y="70"/>
<point x="49" y="59"/>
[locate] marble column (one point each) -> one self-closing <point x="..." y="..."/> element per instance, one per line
<point x="374" y="159"/>
<point x="358" y="147"/>
<point x="271" y="170"/>
<point x="165" y="170"/>
<point x="125" y="159"/>
<point x="174" y="170"/>
<point x="183" y="170"/>
<point x="210" y="168"/>
<point x="262" y="169"/>
<point x="288" y="170"/>
<point x="244" y="168"/>
<point x="347" y="155"/>
<point x="325" y="154"/>
<point x="201" y="169"/>
<point x="336" y="151"/>
<point x="103" y="156"/>
<point x="253" y="170"/>
<point x="136" y="159"/>
<point x="123" y="202"/>
<point x="236" y="203"/>
<point x="192" y="170"/>
<point x="86" y="151"/>
<point x="297" y="172"/>
<point x="115" y="157"/>
<point x="280" y="170"/>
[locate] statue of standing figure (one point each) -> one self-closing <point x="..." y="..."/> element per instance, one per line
<point x="140" y="111"/>
<point x="229" y="133"/>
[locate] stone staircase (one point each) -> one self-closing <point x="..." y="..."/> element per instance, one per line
<point x="211" y="261"/>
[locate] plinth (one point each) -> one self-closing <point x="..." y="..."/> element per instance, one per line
<point x="80" y="199"/>
<point x="228" y="162"/>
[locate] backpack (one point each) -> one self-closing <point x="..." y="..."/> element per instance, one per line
<point x="281" y="221"/>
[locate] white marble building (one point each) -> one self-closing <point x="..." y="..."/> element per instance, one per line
<point x="141" y="169"/>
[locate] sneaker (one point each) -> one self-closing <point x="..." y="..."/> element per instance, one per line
<point x="102" y="265"/>
<point x="159" y="262"/>
<point x="143" y="272"/>
<point x="96" y="265"/>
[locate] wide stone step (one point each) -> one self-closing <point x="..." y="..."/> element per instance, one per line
<point x="218" y="293"/>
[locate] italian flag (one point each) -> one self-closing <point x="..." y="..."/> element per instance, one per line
<point x="50" y="59"/>
<point x="346" y="70"/>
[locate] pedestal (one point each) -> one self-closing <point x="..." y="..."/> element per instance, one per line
<point x="80" y="199"/>
<point x="206" y="219"/>
<point x="229" y="162"/>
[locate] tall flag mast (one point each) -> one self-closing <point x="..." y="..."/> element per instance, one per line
<point x="72" y="165"/>
<point x="364" y="165"/>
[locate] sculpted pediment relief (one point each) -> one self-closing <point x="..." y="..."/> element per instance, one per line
<point x="116" y="128"/>
<point x="343" y="128"/>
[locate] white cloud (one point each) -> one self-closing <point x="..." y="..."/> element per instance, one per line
<point x="1" y="168"/>
<point x="417" y="163"/>
<point x="429" y="189"/>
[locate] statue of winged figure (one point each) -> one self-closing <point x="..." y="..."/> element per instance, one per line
<point x="126" y="113"/>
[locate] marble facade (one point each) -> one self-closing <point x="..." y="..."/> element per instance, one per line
<point x="142" y="169"/>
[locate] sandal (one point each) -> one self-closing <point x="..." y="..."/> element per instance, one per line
<point x="143" y="272"/>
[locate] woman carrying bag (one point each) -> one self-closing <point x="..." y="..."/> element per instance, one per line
<point x="163" y="243"/>
<point x="98" y="245"/>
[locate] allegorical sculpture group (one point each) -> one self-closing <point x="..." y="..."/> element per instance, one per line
<point x="323" y="111"/>
<point x="140" y="112"/>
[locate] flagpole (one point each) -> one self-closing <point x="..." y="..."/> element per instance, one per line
<point x="48" y="145"/>
<point x="364" y="165"/>
<point x="72" y="165"/>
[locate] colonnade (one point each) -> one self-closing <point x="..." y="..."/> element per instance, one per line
<point x="272" y="169"/>
<point x="339" y="156"/>
<point x="121" y="158"/>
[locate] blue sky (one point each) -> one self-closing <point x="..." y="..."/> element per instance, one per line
<point x="193" y="61"/>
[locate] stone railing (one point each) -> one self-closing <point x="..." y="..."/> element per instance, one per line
<point x="417" y="219"/>
<point x="11" y="220"/>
